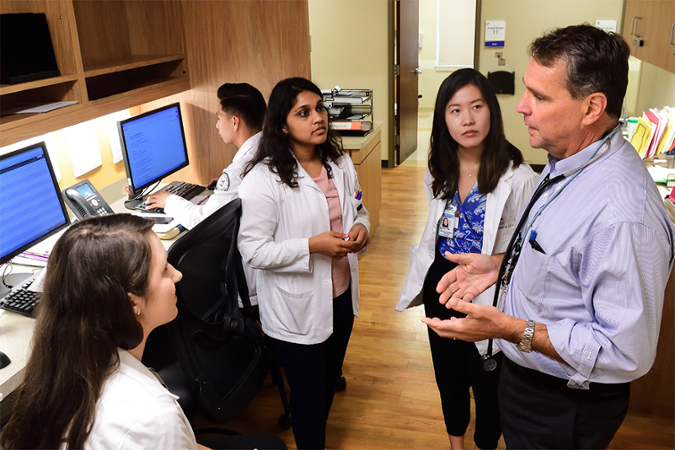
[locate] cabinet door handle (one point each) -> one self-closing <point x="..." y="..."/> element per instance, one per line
<point x="672" y="31"/>
<point x="637" y="19"/>
<point x="632" y="26"/>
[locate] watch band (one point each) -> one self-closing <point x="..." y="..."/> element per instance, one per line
<point x="526" y="344"/>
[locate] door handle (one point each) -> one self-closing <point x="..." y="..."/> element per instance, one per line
<point x="632" y="26"/>
<point x="417" y="71"/>
<point x="637" y="20"/>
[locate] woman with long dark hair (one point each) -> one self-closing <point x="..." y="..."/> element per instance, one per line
<point x="476" y="184"/>
<point x="302" y="223"/>
<point x="108" y="285"/>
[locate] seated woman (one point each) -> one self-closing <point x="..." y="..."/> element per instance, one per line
<point x="108" y="285"/>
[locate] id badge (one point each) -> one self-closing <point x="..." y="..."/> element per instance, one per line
<point x="449" y="221"/>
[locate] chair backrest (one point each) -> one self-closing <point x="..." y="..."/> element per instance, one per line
<point x="219" y="350"/>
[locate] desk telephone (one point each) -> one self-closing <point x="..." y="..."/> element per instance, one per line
<point x="84" y="200"/>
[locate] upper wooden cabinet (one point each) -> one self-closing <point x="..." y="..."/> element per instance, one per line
<point x="112" y="55"/>
<point x="648" y="28"/>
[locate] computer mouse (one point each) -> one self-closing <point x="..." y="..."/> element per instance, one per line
<point x="212" y="186"/>
<point x="4" y="360"/>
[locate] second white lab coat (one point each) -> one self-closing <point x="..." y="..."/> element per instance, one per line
<point x="295" y="291"/>
<point x="502" y="211"/>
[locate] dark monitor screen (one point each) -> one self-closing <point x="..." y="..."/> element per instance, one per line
<point x="153" y="146"/>
<point x="31" y="207"/>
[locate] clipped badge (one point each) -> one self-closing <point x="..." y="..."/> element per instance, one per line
<point x="223" y="182"/>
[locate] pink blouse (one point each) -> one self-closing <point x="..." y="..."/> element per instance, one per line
<point x="340" y="267"/>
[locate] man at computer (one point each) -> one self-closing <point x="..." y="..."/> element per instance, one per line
<point x="240" y="118"/>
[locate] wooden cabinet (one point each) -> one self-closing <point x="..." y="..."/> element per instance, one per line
<point x="366" y="155"/>
<point x="648" y="28"/>
<point x="112" y="55"/>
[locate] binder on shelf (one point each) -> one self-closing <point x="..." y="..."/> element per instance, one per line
<point x="351" y="110"/>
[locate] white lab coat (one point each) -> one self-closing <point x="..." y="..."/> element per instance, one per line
<point x="189" y="215"/>
<point x="136" y="412"/>
<point x="295" y="292"/>
<point x="502" y="212"/>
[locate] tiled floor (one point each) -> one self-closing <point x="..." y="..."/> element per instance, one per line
<point x="419" y="157"/>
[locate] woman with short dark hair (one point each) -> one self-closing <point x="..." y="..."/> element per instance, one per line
<point x="477" y="185"/>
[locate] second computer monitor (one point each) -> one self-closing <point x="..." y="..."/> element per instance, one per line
<point x="153" y="146"/>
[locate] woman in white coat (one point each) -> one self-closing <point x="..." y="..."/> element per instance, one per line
<point x="476" y="185"/>
<point x="108" y="285"/>
<point x="302" y="223"/>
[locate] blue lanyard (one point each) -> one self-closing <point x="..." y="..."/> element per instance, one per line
<point x="571" y="175"/>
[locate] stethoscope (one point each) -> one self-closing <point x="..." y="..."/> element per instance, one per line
<point x="489" y="363"/>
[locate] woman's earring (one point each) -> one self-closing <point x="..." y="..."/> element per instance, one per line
<point x="138" y="313"/>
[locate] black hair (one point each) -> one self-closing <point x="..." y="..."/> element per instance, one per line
<point x="275" y="145"/>
<point x="443" y="156"/>
<point x="595" y="61"/>
<point x="244" y="101"/>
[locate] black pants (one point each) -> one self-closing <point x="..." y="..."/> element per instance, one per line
<point x="540" y="411"/>
<point x="259" y="441"/>
<point x="458" y="367"/>
<point x="312" y="371"/>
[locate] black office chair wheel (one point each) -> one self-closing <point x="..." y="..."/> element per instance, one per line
<point x="284" y="421"/>
<point x="341" y="384"/>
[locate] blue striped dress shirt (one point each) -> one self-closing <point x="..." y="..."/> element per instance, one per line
<point x="599" y="286"/>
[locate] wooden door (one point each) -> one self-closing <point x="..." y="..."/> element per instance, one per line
<point x="407" y="29"/>
<point x="666" y="35"/>
<point x="640" y="28"/>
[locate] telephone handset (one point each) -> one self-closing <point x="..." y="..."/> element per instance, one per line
<point x="84" y="200"/>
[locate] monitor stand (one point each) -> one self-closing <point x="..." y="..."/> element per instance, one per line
<point x="4" y="360"/>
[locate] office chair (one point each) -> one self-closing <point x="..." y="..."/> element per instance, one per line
<point x="217" y="359"/>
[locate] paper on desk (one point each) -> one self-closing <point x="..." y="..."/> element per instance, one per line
<point x="158" y="227"/>
<point x="48" y="139"/>
<point x="18" y="259"/>
<point x="661" y="174"/>
<point x="83" y="148"/>
<point x="38" y="282"/>
<point x="113" y="133"/>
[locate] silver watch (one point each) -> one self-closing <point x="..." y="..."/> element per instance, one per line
<point x="526" y="344"/>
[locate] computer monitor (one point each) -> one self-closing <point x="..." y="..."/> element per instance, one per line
<point x="153" y="147"/>
<point x="31" y="207"/>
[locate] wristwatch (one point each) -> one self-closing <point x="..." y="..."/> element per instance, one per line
<point x="526" y="344"/>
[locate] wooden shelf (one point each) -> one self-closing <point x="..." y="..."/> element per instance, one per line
<point x="117" y="54"/>
<point x="15" y="120"/>
<point x="131" y="62"/>
<point x="144" y="93"/>
<point x="6" y="89"/>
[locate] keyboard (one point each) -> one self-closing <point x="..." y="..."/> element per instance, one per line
<point x="180" y="188"/>
<point x="21" y="300"/>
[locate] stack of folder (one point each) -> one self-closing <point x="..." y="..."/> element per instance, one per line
<point x="655" y="132"/>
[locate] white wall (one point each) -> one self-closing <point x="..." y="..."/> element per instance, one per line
<point x="657" y="89"/>
<point x="526" y="20"/>
<point x="431" y="78"/>
<point x="350" y="49"/>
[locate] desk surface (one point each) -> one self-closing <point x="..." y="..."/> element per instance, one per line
<point x="16" y="330"/>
